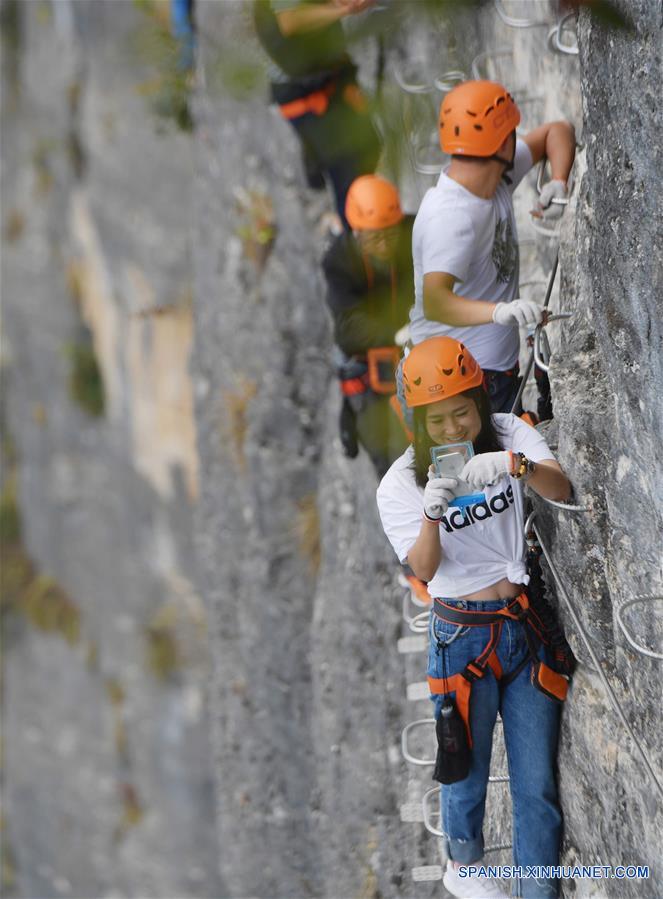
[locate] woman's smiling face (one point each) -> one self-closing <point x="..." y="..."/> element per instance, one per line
<point x="453" y="420"/>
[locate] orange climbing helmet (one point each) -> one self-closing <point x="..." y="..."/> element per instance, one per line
<point x="476" y="118"/>
<point x="438" y="368"/>
<point x="372" y="203"/>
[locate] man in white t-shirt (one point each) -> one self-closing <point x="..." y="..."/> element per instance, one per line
<point x="465" y="243"/>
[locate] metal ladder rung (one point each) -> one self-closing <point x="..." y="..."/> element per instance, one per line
<point x="622" y="625"/>
<point x="448" y="80"/>
<point x="412" y="813"/>
<point x="430" y="816"/>
<point x="555" y="41"/>
<point x="514" y="21"/>
<point x="417" y="623"/>
<point x="412" y="644"/>
<point x="498" y="847"/>
<point x="427" y="873"/>
<point x="499" y="52"/>
<point x="407" y="755"/>
<point x="418" y="691"/>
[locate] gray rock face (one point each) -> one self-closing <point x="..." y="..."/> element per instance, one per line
<point x="106" y="765"/>
<point x="608" y="412"/>
<point x="209" y="516"/>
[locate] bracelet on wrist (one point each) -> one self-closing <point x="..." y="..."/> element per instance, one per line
<point x="431" y="520"/>
<point x="523" y="467"/>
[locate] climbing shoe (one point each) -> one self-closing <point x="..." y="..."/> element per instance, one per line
<point x="471" y="887"/>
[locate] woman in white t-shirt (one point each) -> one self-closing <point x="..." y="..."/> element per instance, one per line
<point x="474" y="561"/>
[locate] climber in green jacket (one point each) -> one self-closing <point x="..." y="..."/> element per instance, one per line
<point x="313" y="82"/>
<point x="369" y="293"/>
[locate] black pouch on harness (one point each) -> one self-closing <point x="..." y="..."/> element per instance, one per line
<point x="453" y="752"/>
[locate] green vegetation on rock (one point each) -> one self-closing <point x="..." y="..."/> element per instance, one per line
<point x="86" y="386"/>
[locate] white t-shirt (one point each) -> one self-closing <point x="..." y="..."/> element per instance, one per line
<point x="480" y="549"/>
<point x="476" y="241"/>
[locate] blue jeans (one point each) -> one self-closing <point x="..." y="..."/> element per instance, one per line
<point x="531" y="726"/>
<point x="181" y="26"/>
<point x="502" y="389"/>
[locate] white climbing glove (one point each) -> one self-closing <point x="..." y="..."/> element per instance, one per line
<point x="519" y="312"/>
<point x="545" y="208"/>
<point x="438" y="494"/>
<point x="402" y="336"/>
<point x="487" y="468"/>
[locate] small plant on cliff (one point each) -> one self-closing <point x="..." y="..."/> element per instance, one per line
<point x="257" y="228"/>
<point x="36" y="598"/>
<point x="132" y="811"/>
<point x="236" y="424"/>
<point x="86" y="386"/>
<point x="10" y="521"/>
<point x="163" y="654"/>
<point x="307" y="530"/>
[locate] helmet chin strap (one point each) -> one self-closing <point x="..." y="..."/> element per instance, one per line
<point x="507" y="163"/>
<point x="508" y="166"/>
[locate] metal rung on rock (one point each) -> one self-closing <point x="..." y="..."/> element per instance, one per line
<point x="545" y="230"/>
<point x="555" y="41"/>
<point x="427" y="873"/>
<point x="477" y="71"/>
<point x="448" y="80"/>
<point x="417" y="623"/>
<point x="408" y="83"/>
<point x="541" y="345"/>
<point x="513" y="21"/>
<point x="412" y="644"/>
<point x="428" y="815"/>
<point x="610" y="693"/>
<point x="418" y="691"/>
<point x="430" y="827"/>
<point x="412" y="813"/>
<point x="428" y="159"/>
<point x="565" y="507"/>
<point x="405" y="735"/>
<point x="618" y="617"/>
<point x="420" y="623"/>
<point x="498" y="847"/>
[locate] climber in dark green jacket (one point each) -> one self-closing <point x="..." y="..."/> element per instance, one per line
<point x="313" y="82"/>
<point x="369" y="293"/>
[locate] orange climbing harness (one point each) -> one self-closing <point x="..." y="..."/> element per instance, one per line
<point x="530" y="418"/>
<point x="354" y="386"/>
<point x="382" y="364"/>
<point x="554" y="685"/>
<point x="419" y="588"/>
<point x="316" y="103"/>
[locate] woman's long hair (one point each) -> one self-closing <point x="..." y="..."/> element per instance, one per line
<point x="486" y="442"/>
